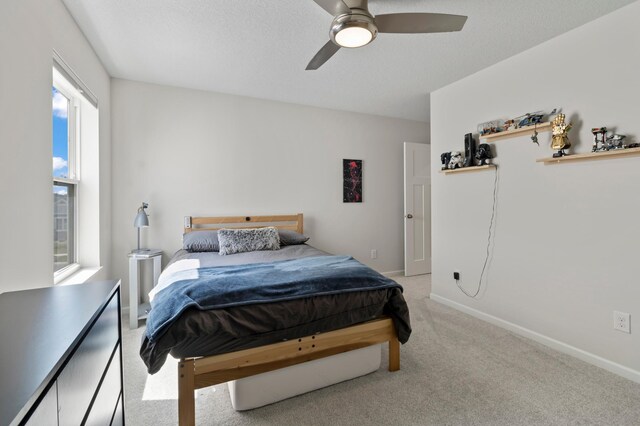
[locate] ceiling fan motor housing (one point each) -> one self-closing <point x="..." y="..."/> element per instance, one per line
<point x="358" y="19"/>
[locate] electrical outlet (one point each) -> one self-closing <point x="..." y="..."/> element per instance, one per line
<point x="456" y="276"/>
<point x="622" y="321"/>
<point x="374" y="254"/>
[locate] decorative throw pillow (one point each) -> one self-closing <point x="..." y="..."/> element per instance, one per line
<point x="291" y="238"/>
<point x="243" y="240"/>
<point x="197" y="241"/>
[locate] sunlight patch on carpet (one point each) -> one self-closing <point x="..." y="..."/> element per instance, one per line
<point x="164" y="384"/>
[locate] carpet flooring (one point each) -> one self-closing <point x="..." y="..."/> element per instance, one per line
<point x="455" y="370"/>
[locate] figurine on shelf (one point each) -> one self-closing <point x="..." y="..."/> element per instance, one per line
<point x="509" y="125"/>
<point x="529" y="119"/>
<point x="599" y="138"/>
<point x="484" y="155"/>
<point x="490" y="127"/>
<point x="559" y="139"/>
<point x="469" y="150"/>
<point x="615" y="142"/>
<point x="534" y="136"/>
<point x="456" y="160"/>
<point x="445" y="157"/>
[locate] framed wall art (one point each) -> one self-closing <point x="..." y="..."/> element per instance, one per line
<point x="351" y="181"/>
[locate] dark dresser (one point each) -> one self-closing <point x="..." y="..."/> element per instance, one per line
<point x="60" y="356"/>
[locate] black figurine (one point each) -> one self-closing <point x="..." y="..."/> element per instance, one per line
<point x="484" y="154"/>
<point x="445" y="157"/>
<point x="469" y="150"/>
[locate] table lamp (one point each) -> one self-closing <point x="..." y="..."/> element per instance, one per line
<point x="141" y="221"/>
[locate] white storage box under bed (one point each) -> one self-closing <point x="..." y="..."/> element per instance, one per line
<point x="267" y="388"/>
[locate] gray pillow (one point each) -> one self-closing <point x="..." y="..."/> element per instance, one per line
<point x="291" y="238"/>
<point x="197" y="241"/>
<point x="244" y="240"/>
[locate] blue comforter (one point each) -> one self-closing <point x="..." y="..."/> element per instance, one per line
<point x="226" y="286"/>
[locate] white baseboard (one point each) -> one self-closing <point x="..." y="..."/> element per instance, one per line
<point x="393" y="273"/>
<point x="585" y="356"/>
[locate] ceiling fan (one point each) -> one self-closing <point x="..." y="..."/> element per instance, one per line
<point x="353" y="26"/>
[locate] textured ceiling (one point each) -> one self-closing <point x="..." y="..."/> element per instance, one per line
<point x="260" y="48"/>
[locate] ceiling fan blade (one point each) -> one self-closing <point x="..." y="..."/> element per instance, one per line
<point x="334" y="7"/>
<point x="411" y="23"/>
<point x="323" y="55"/>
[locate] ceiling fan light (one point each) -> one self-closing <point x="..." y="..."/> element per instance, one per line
<point x="353" y="36"/>
<point x="354" y="30"/>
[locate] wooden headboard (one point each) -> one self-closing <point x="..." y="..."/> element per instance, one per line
<point x="292" y="222"/>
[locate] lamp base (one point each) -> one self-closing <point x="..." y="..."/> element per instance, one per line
<point x="140" y="251"/>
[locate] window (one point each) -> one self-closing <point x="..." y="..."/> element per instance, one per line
<point x="66" y="140"/>
<point x="76" y="173"/>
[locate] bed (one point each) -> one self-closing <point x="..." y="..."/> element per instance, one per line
<point x="228" y="343"/>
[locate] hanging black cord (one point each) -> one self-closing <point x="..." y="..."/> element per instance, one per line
<point x="486" y="259"/>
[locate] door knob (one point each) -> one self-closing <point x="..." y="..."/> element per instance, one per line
<point x="409" y="216"/>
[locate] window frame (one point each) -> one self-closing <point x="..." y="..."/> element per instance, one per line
<point x="62" y="85"/>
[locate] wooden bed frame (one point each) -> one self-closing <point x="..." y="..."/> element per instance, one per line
<point x="202" y="372"/>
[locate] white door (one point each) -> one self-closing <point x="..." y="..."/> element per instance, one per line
<point x="417" y="209"/>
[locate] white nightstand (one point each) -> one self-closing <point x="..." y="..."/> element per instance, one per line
<point x="138" y="311"/>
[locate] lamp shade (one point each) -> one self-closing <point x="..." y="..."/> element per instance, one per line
<point x="141" y="220"/>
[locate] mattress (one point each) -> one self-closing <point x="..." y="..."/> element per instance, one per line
<point x="199" y="333"/>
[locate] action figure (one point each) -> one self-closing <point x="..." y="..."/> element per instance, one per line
<point x="445" y="157"/>
<point x="484" y="154"/>
<point x="456" y="160"/>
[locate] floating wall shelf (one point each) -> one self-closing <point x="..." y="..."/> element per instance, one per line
<point x="542" y="127"/>
<point x="591" y="156"/>
<point x="468" y="169"/>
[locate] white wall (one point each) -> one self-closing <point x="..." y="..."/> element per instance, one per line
<point x="29" y="32"/>
<point x="567" y="237"/>
<point x="196" y="153"/>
